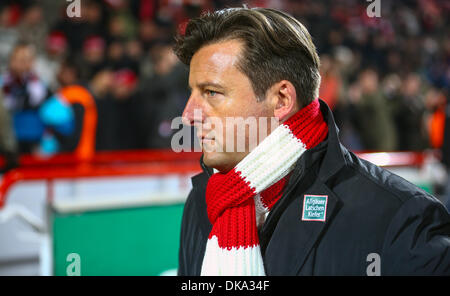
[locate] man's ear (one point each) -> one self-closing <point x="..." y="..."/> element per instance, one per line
<point x="284" y="99"/>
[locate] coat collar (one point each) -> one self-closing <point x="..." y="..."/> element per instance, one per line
<point x="199" y="183"/>
<point x="335" y="156"/>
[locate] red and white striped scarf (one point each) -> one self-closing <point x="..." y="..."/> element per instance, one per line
<point x="251" y="188"/>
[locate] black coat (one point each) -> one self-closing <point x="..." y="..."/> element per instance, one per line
<point x="369" y="210"/>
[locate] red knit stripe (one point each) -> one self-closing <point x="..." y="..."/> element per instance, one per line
<point x="226" y="191"/>
<point x="308" y="125"/>
<point x="271" y="195"/>
<point x="236" y="227"/>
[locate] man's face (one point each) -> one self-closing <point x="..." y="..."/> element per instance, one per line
<point x="21" y="61"/>
<point x="219" y="94"/>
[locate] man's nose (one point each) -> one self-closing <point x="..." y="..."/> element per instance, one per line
<point x="193" y="112"/>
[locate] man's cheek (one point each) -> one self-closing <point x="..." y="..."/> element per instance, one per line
<point x="216" y="133"/>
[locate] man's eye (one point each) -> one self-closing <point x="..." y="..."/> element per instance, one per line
<point x="211" y="93"/>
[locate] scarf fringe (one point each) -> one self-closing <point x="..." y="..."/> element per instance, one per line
<point x="237" y="261"/>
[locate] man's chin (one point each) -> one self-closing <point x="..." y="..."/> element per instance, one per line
<point x="222" y="161"/>
<point x="216" y="161"/>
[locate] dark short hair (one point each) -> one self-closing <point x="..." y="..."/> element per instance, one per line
<point x="276" y="47"/>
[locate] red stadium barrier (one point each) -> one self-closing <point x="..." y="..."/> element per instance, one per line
<point x="102" y="164"/>
<point x="142" y="163"/>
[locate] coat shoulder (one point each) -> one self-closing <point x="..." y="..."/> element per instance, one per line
<point x="366" y="179"/>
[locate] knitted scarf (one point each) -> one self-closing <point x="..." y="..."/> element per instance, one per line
<point x="235" y="200"/>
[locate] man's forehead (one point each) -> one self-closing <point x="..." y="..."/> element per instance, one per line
<point x="217" y="56"/>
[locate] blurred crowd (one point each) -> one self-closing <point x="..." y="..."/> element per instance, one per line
<point x="386" y="78"/>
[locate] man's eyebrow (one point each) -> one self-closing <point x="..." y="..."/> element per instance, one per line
<point x="207" y="84"/>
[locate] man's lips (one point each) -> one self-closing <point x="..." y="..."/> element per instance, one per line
<point x="206" y="141"/>
<point x="205" y="137"/>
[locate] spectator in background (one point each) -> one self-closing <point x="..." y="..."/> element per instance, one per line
<point x="100" y="87"/>
<point x="93" y="57"/>
<point x="48" y="64"/>
<point x="435" y="102"/>
<point x="330" y="84"/>
<point x="134" y="52"/>
<point x="39" y="117"/>
<point x="347" y="121"/>
<point x="123" y="55"/>
<point x="116" y="54"/>
<point x="409" y="108"/>
<point x="373" y="116"/>
<point x="8" y="35"/>
<point x="163" y="96"/>
<point x="148" y="33"/>
<point x="24" y="93"/>
<point x="94" y="18"/>
<point x="32" y="27"/>
<point x="92" y="22"/>
<point x="122" y="23"/>
<point x="118" y="110"/>
<point x="126" y="110"/>
<point x="69" y="75"/>
<point x="120" y="27"/>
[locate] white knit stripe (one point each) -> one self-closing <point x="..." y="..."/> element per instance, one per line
<point x="237" y="261"/>
<point x="272" y="159"/>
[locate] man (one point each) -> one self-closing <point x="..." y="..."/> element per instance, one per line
<point x="24" y="93"/>
<point x="298" y="203"/>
